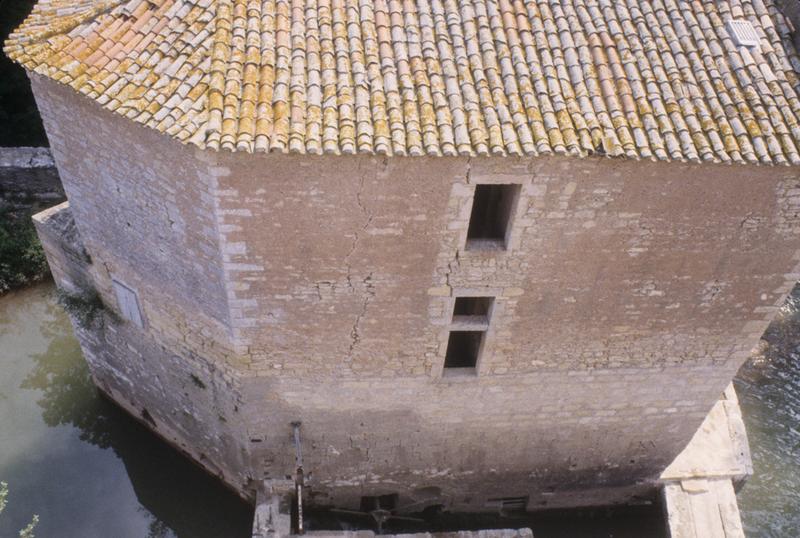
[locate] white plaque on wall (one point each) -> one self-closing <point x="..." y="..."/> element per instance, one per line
<point x="128" y="303"/>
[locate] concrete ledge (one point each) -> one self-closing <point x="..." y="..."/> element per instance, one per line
<point x="718" y="449"/>
<point x="58" y="221"/>
<point x="63" y="247"/>
<point x="699" y="493"/>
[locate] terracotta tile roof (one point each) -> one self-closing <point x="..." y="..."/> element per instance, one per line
<point x="659" y="79"/>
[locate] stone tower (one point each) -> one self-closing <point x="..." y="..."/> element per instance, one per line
<point x="489" y="253"/>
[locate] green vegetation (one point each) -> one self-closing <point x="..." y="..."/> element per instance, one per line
<point x="22" y="259"/>
<point x="27" y="532"/>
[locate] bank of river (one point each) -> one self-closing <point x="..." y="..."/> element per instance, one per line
<point x="89" y="470"/>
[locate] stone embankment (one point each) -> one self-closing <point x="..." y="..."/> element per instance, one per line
<point x="28" y="179"/>
<point x="29" y="183"/>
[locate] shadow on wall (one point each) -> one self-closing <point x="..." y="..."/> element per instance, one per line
<point x="20" y="124"/>
<point x="181" y="498"/>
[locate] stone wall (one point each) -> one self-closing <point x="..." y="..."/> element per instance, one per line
<point x="142" y="205"/>
<point x="321" y="289"/>
<point x="629" y="296"/>
<point x="28" y="178"/>
<point x="189" y="401"/>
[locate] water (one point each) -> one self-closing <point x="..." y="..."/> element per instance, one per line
<point x="89" y="470"/>
<point x="769" y="393"/>
<point x="79" y="462"/>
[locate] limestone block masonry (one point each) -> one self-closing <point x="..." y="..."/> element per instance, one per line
<point x="243" y="292"/>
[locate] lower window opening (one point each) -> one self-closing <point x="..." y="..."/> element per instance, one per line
<point x="463" y="349"/>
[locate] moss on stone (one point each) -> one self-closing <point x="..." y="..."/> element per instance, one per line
<point x="85" y="307"/>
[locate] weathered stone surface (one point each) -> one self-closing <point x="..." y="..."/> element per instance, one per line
<point x="719" y="447"/>
<point x="272" y="517"/>
<point x="699" y="495"/>
<point x="277" y="288"/>
<point x="702" y="509"/>
<point x="28" y="178"/>
<point x="69" y="263"/>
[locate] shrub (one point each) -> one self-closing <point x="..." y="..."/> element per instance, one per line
<point x="22" y="258"/>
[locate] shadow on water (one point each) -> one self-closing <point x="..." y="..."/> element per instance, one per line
<point x="769" y="392"/>
<point x="179" y="495"/>
<point x="174" y="497"/>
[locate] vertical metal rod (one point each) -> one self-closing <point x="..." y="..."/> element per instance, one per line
<point x="299" y="490"/>
<point x="298" y="450"/>
<point x="298" y="481"/>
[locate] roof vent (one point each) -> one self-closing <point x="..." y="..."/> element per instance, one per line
<point x="743" y="33"/>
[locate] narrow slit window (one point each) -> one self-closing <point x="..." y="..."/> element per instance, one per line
<point x="490" y="220"/>
<point x="463" y="349"/>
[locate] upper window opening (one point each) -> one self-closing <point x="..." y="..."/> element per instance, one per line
<point x="472" y="312"/>
<point x="492" y="208"/>
<point x="472" y="306"/>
